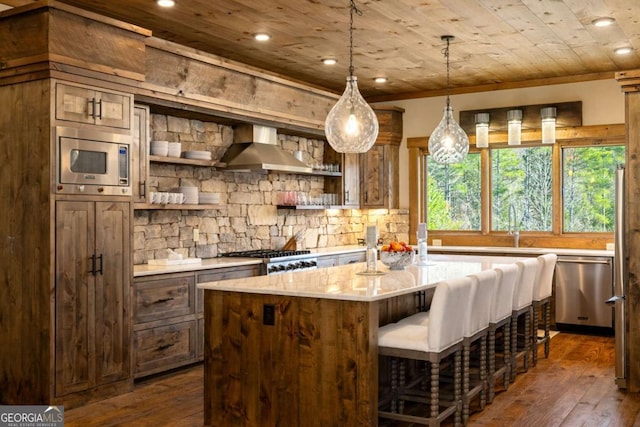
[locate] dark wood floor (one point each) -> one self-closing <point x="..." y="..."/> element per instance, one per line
<point x="574" y="387"/>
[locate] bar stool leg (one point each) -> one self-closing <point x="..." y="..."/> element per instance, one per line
<point x="547" y="324"/>
<point x="527" y="339"/>
<point x="483" y="372"/>
<point x="465" y="384"/>
<point x="506" y="338"/>
<point x="492" y="364"/>
<point x="534" y="336"/>
<point x="514" y="346"/>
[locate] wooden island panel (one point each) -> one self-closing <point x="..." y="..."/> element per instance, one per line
<point x="317" y="365"/>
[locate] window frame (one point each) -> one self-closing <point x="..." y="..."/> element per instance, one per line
<point x="597" y="135"/>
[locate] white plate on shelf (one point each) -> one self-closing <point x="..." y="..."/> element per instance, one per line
<point x="197" y="155"/>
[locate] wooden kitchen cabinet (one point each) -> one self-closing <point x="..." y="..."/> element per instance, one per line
<point x="92" y="280"/>
<point x="139" y="153"/>
<point x="168" y="330"/>
<point x="94" y="106"/>
<point x="379" y="167"/>
<point x="347" y="184"/>
<point x="165" y="329"/>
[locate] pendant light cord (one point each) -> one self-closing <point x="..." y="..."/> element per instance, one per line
<point x="445" y="52"/>
<point x="359" y="12"/>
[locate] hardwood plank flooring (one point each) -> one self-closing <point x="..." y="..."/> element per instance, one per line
<point x="574" y="387"/>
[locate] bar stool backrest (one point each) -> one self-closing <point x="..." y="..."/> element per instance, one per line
<point x="523" y="292"/>
<point x="483" y="289"/>
<point x="542" y="287"/>
<point x="447" y="314"/>
<point x="502" y="304"/>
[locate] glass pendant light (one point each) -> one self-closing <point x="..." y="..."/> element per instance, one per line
<point x="448" y="143"/>
<point x="351" y="126"/>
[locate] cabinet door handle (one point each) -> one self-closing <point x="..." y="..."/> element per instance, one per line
<point x="164" y="346"/>
<point x="143" y="189"/>
<point x="92" y="109"/>
<point x="161" y="300"/>
<point x="99" y="105"/>
<point x="93" y="264"/>
<point x="346" y="196"/>
<point x="101" y="262"/>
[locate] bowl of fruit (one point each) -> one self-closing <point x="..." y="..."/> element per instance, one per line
<point x="397" y="255"/>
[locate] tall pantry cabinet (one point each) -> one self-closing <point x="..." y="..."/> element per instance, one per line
<point x="65" y="269"/>
<point x="65" y="280"/>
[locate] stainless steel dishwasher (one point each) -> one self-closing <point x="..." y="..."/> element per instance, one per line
<point x="583" y="284"/>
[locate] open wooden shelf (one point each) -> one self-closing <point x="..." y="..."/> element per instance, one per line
<point x="183" y="161"/>
<point x="315" y="207"/>
<point x="174" y="206"/>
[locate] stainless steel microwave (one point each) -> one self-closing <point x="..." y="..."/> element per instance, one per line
<point x="92" y="162"/>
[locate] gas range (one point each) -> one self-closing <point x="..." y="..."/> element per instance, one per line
<point x="279" y="261"/>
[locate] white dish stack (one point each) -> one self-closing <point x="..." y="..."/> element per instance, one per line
<point x="209" y="198"/>
<point x="175" y="148"/>
<point x="190" y="195"/>
<point x="198" y="155"/>
<point x="159" y="148"/>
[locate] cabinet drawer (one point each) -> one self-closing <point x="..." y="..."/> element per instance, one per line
<point x="164" y="298"/>
<point x="165" y="347"/>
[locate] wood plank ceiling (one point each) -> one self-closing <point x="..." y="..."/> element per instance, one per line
<point x="498" y="43"/>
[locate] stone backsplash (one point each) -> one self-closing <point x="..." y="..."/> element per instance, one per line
<point x="248" y="217"/>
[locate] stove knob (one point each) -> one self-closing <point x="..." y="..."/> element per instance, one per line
<point x="280" y="267"/>
<point x="291" y="266"/>
<point x="273" y="269"/>
<point x="312" y="263"/>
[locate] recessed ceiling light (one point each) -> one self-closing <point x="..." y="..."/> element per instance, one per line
<point x="603" y="22"/>
<point x="166" y="3"/>
<point x="623" y="50"/>
<point x="380" y="80"/>
<point x="262" y="37"/>
<point x="329" y="61"/>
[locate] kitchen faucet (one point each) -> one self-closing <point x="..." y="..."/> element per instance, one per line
<point x="514" y="231"/>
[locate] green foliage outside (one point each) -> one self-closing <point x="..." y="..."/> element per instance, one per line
<point x="522" y="177"/>
<point x="588" y="182"/>
<point x="453" y="193"/>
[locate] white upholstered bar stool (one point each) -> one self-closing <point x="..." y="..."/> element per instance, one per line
<point x="441" y="339"/>
<point x="500" y="325"/>
<point x="521" y="308"/>
<point x="542" y="290"/>
<point x="483" y="288"/>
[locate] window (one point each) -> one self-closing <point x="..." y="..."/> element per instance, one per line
<point x="522" y="177"/>
<point x="558" y="190"/>
<point x="588" y="187"/>
<point x="453" y="194"/>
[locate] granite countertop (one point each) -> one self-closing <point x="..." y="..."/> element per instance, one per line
<point x="344" y="283"/>
<point x="521" y="250"/>
<point x="211" y="263"/>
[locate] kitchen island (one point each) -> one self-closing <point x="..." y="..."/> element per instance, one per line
<point x="300" y="348"/>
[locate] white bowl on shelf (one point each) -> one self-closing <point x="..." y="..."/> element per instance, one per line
<point x="159" y="148"/>
<point x="175" y="148"/>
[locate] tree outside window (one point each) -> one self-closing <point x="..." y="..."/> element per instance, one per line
<point x="453" y="194"/>
<point x="522" y="177"/>
<point x="588" y="180"/>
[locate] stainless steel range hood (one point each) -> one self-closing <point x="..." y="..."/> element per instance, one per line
<point x="256" y="147"/>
